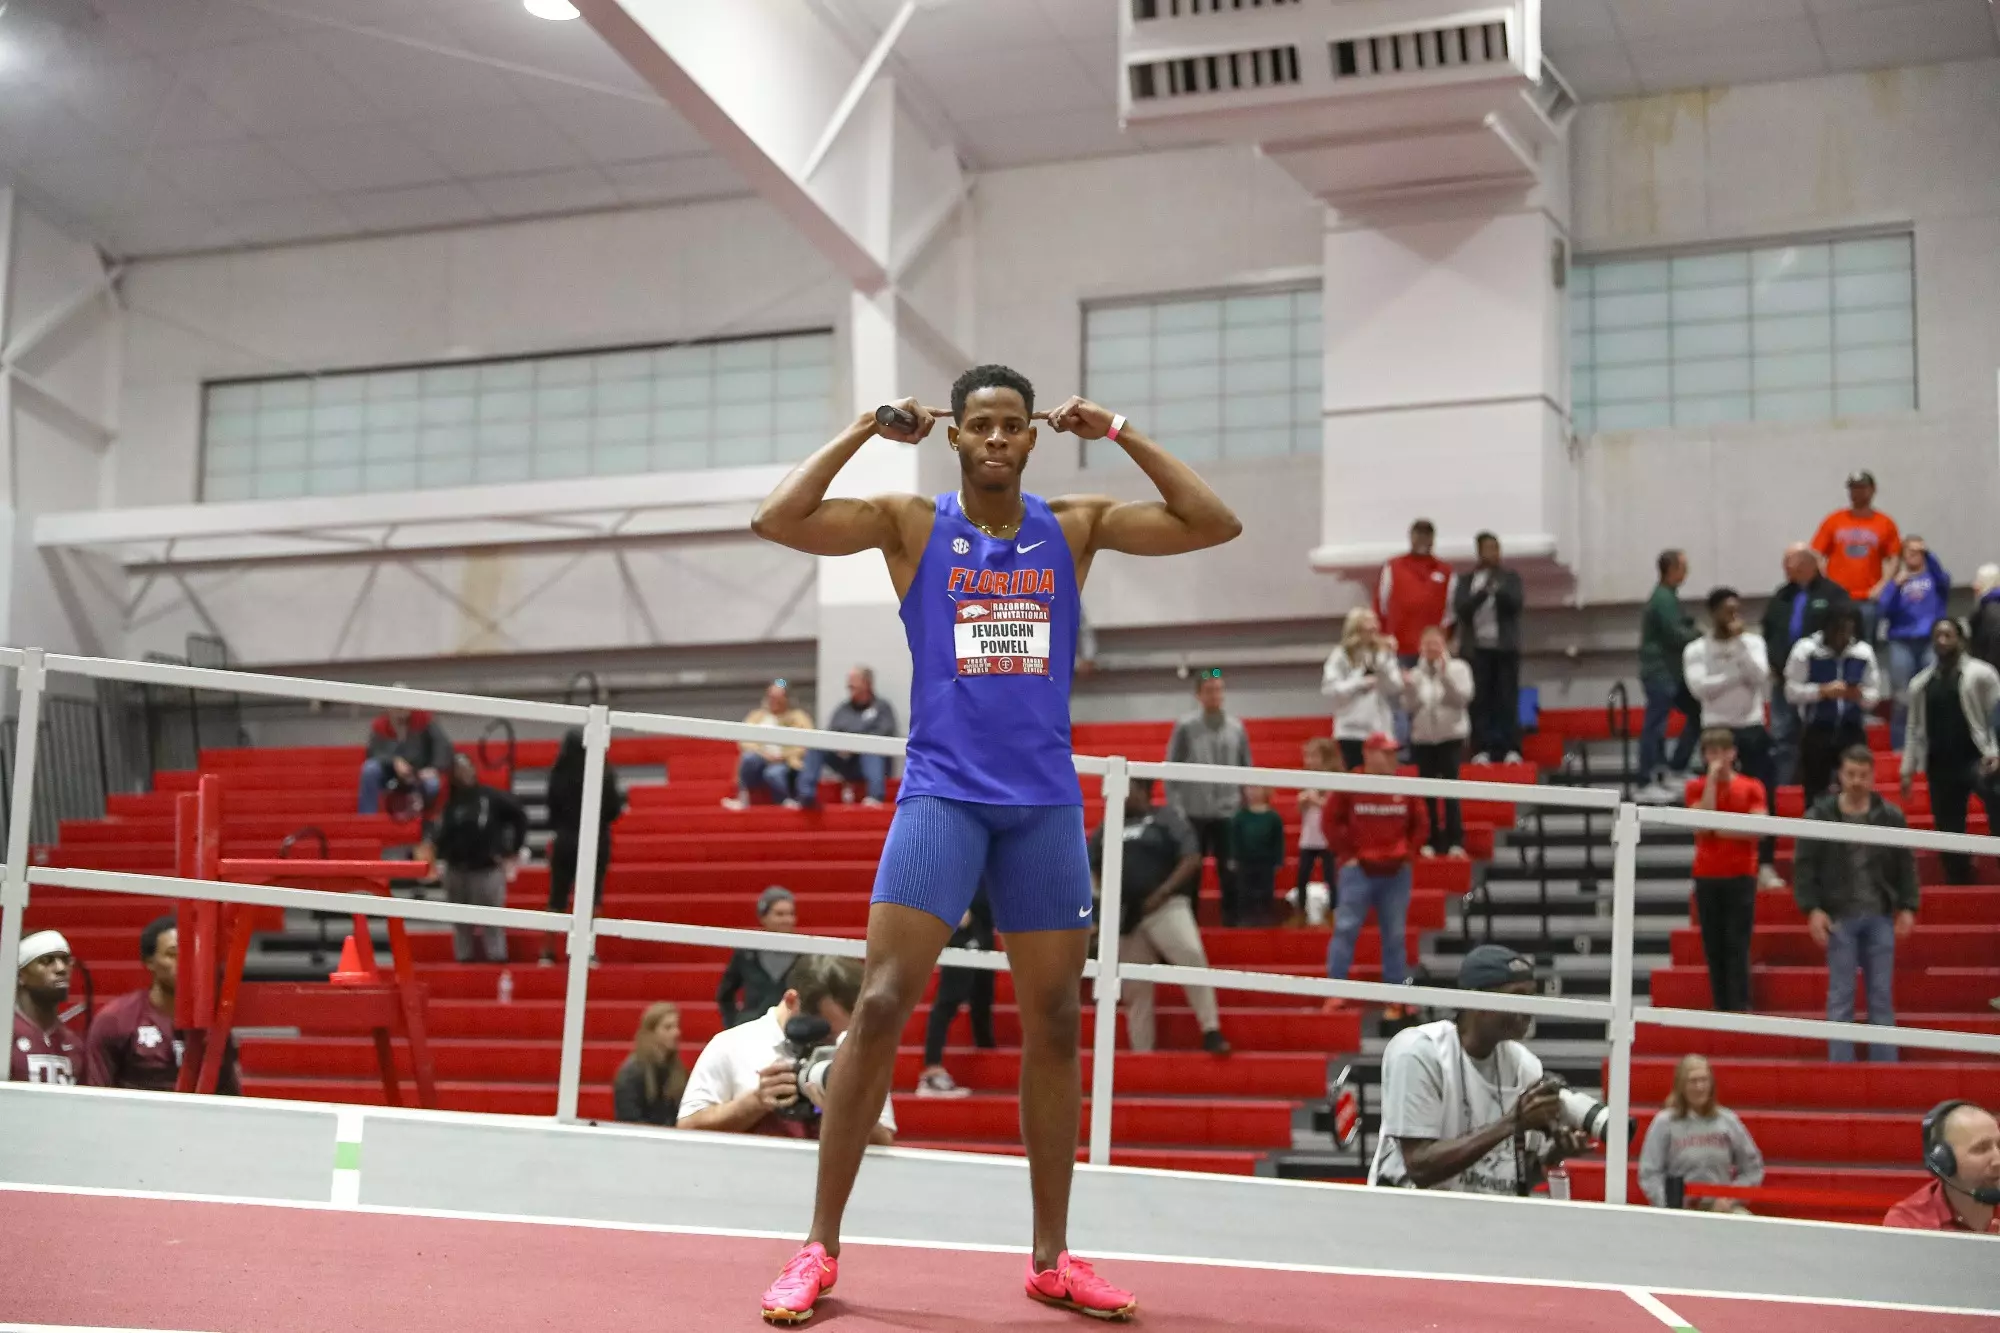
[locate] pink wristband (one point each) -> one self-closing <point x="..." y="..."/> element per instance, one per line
<point x="1117" y="424"/>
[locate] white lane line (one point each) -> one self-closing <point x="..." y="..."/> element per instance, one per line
<point x="981" y="1247"/>
<point x="1653" y="1306"/>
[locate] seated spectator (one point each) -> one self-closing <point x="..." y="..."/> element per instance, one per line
<point x="744" y="1076"/>
<point x="1209" y="735"/>
<point x="565" y="798"/>
<point x="1962" y="1150"/>
<point x="1256" y="850"/>
<point x="1911" y="604"/>
<point x="133" y="1042"/>
<point x="773" y="768"/>
<point x="1665" y="631"/>
<point x="1160" y="878"/>
<point x="647" y="1088"/>
<point x="1698" y="1141"/>
<point x="44" y="1050"/>
<point x="1952" y="705"/>
<point x="861" y="713"/>
<point x="1797" y="610"/>
<point x="1364" y="682"/>
<point x="1831" y="678"/>
<point x="1486" y="608"/>
<point x="970" y="988"/>
<point x="1375" y="839"/>
<point x="481" y="831"/>
<point x="407" y="753"/>
<point x="1464" y="1104"/>
<point x="1437" y="692"/>
<point x="1725" y="870"/>
<point x="1858" y="900"/>
<point x="755" y="978"/>
<point x="1315" y="861"/>
<point x="1858" y="543"/>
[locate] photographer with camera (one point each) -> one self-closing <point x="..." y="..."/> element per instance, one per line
<point x="1466" y="1106"/>
<point x="767" y="1076"/>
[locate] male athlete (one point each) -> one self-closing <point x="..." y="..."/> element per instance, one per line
<point x="988" y="579"/>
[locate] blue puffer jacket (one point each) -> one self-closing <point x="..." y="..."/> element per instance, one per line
<point x="1911" y="607"/>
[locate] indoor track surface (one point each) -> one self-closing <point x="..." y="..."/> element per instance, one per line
<point x="113" y="1261"/>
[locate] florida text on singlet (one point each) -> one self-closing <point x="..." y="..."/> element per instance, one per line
<point x="992" y="630"/>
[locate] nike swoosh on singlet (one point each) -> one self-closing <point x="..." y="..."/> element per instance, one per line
<point x="1023" y="550"/>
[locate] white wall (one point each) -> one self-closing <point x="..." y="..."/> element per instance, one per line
<point x="1917" y="147"/>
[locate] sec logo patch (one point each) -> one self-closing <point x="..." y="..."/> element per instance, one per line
<point x="960" y="545"/>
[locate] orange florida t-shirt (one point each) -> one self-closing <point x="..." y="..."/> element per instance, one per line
<point x="1717" y="856"/>
<point x="1857" y="548"/>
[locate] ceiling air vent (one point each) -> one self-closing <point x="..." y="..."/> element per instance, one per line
<point x="1425" y="49"/>
<point x="1142" y="10"/>
<point x="1223" y="72"/>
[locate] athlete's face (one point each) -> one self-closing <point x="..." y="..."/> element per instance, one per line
<point x="994" y="440"/>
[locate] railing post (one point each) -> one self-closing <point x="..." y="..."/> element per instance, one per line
<point x="29" y="679"/>
<point x="1104" y="1042"/>
<point x="1624" y="907"/>
<point x="583" y="912"/>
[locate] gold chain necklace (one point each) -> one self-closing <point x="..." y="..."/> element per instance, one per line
<point x="1004" y="531"/>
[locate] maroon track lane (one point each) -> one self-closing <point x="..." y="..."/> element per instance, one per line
<point x="1711" y="1314"/>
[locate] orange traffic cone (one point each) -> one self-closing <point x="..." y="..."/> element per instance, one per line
<point x="350" y="972"/>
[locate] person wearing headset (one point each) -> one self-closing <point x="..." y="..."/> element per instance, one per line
<point x="1961" y="1149"/>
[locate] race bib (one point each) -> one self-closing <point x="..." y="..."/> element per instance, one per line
<point x="1002" y="637"/>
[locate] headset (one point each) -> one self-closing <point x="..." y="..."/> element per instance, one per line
<point x="1942" y="1162"/>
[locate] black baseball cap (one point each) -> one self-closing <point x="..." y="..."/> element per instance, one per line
<point x="1491" y="966"/>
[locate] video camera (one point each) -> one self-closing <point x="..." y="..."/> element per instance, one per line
<point x="809" y="1042"/>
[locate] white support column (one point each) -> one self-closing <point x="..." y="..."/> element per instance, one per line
<point x="1624" y="896"/>
<point x="20" y="814"/>
<point x="1104" y="1041"/>
<point x="583" y="912"/>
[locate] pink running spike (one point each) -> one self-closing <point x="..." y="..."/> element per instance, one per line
<point x="810" y="1275"/>
<point x="1074" y="1285"/>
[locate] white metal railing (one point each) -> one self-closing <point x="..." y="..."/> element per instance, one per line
<point x="1618" y="1012"/>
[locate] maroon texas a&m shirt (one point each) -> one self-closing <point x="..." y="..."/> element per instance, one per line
<point x="134" y="1045"/>
<point x="55" y="1056"/>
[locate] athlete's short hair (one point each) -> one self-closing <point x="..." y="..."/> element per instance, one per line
<point x="990" y="377"/>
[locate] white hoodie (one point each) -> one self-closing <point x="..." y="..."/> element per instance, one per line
<point x="1437" y="700"/>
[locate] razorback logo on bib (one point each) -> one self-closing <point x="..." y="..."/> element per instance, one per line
<point x="1002" y="637"/>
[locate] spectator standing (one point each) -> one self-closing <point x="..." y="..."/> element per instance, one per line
<point x="1911" y="604"/>
<point x="647" y="1088"/>
<point x="1257" y="849"/>
<point x="133" y="1042"/>
<point x="1160" y="877"/>
<point x="44" y="1050"/>
<point x="1437" y="691"/>
<point x="1952" y="705"/>
<point x="1727" y="670"/>
<point x="1857" y="543"/>
<point x="480" y="832"/>
<point x="1858" y="900"/>
<point x="1962" y="1151"/>
<point x="1725" y="870"/>
<point x="565" y="798"/>
<point x="1698" y="1141"/>
<point x="1364" y="680"/>
<point x="1209" y="735"/>
<point x="1376" y="837"/>
<point x="1486" y="605"/>
<point x="970" y="988"/>
<point x="408" y="752"/>
<point x="755" y="978"/>
<point x="1797" y="610"/>
<point x="861" y="713"/>
<point x="771" y="768"/>
<point x="1832" y="679"/>
<point x="1983" y="630"/>
<point x="1315" y="860"/>
<point x="1665" y="631"/>
<point x="745" y="1077"/>
<point x="1412" y="595"/>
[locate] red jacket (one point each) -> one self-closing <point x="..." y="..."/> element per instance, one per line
<point x="1383" y="833"/>
<point x="1412" y="595"/>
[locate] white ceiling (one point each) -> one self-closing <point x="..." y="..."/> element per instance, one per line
<point x="170" y="125"/>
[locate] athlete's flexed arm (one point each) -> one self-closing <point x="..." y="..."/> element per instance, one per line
<point x="798" y="514"/>
<point x="1188" y="516"/>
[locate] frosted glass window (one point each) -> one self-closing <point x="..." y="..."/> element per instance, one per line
<point x="572" y="414"/>
<point x="1805" y="332"/>
<point x="1211" y="377"/>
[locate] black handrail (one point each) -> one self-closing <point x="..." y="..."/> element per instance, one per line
<point x="291" y="840"/>
<point x="595" y="694"/>
<point x="1618" y="715"/>
<point x="498" y="726"/>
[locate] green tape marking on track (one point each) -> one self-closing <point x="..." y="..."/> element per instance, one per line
<point x="1655" y="1307"/>
<point x="347" y="1157"/>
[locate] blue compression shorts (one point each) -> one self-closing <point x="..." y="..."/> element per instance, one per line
<point x="1032" y="857"/>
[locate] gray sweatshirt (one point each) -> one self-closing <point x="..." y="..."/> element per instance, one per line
<point x="1198" y="739"/>
<point x="1713" y="1149"/>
